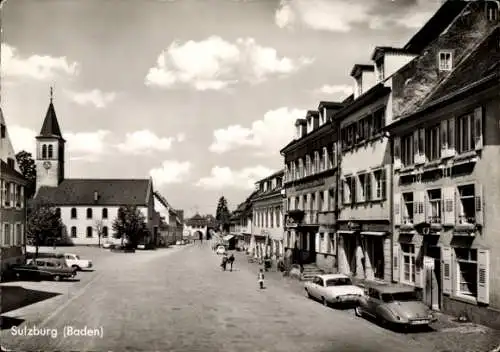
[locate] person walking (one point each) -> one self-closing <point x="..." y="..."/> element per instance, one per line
<point x="260" y="278"/>
<point x="224" y="262"/>
<point x="231" y="261"/>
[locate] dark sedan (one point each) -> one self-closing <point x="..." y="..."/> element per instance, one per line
<point x="53" y="268"/>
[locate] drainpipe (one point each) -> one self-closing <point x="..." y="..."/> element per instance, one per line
<point x="389" y="195"/>
<point x="335" y="126"/>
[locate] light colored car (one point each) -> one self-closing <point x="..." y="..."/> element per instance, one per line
<point x="107" y="244"/>
<point x="333" y="289"/>
<point x="394" y="306"/>
<point x="74" y="261"/>
<point x="220" y="250"/>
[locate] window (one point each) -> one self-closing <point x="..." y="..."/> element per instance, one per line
<point x="432" y="144"/>
<point x="465" y="131"/>
<point x="301" y="168"/>
<point x="316" y="162"/>
<point x="7" y="194"/>
<point x="89" y="213"/>
<point x="105" y="232"/>
<point x="347" y="191"/>
<point x="73" y="213"/>
<point x="434" y="213"/>
<point x="309" y="169"/>
<point x="51" y="151"/>
<point x="89" y="231"/>
<point x="6" y="234"/>
<point x="361" y="194"/>
<point x="380" y="69"/>
<point x="492" y="12"/>
<point x="44" y="151"/>
<point x="409" y="267"/>
<point x="467" y="204"/>
<point x="17" y="195"/>
<point x="321" y="161"/>
<point x="445" y="61"/>
<point x="3" y="131"/>
<point x="359" y="85"/>
<point x="407" y="156"/>
<point x="408" y="208"/>
<point x="19" y="234"/>
<point x="73" y="231"/>
<point x="378" y="121"/>
<point x="278" y="217"/>
<point x="104" y="213"/>
<point x="467" y="271"/>
<point x="362" y="130"/>
<point x="379" y="184"/>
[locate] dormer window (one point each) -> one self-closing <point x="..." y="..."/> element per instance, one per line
<point x="492" y="12"/>
<point x="359" y="85"/>
<point x="380" y="70"/>
<point x="445" y="60"/>
<point x="3" y="131"/>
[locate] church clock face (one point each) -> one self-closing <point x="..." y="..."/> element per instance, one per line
<point x="47" y="165"/>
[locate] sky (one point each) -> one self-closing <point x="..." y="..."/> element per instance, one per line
<point x="200" y="95"/>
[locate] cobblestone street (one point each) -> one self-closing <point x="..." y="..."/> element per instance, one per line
<point x="177" y="299"/>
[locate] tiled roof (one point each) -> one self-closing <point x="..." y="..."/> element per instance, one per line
<point x="7" y="170"/>
<point x="481" y="63"/>
<point x="50" y="127"/>
<point x="110" y="192"/>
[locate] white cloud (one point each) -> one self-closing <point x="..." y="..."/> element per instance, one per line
<point x="340" y="90"/>
<point x="214" y="64"/>
<point x="40" y="67"/>
<point x="269" y="135"/>
<point x="341" y="15"/>
<point x="144" y="141"/>
<point x="22" y="138"/>
<point x="223" y="177"/>
<point x="171" y="171"/>
<point x="181" y="137"/>
<point x="95" y="97"/>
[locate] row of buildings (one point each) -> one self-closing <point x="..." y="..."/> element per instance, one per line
<point x="400" y="182"/>
<point x="87" y="207"/>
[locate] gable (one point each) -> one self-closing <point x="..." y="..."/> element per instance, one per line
<point x="6" y="148"/>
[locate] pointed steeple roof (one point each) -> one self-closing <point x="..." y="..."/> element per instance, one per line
<point x="50" y="127"/>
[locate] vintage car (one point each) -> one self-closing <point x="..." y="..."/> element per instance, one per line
<point x="74" y="261"/>
<point x="24" y="272"/>
<point x="333" y="289"/>
<point x="394" y="306"/>
<point x="220" y="250"/>
<point x="53" y="268"/>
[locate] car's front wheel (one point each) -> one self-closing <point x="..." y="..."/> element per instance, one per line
<point x="358" y="311"/>
<point x="325" y="302"/>
<point x="57" y="278"/>
<point x="76" y="267"/>
<point x="308" y="294"/>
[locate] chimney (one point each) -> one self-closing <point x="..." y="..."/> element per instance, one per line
<point x="96" y="196"/>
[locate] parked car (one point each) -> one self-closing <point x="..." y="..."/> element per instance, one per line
<point x="107" y="244"/>
<point x="220" y="250"/>
<point x="53" y="268"/>
<point x="333" y="289"/>
<point x="24" y="272"/>
<point x="74" y="261"/>
<point x="394" y="306"/>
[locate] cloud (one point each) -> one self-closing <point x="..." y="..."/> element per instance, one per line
<point x="342" y="15"/>
<point x="224" y="177"/>
<point x="40" y="67"/>
<point x="215" y="64"/>
<point x="181" y="137"/>
<point x="144" y="141"/>
<point x="339" y="90"/>
<point x="171" y="171"/>
<point x="268" y="135"/>
<point x="22" y="138"/>
<point x="95" y="97"/>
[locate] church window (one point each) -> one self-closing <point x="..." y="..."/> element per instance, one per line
<point x="104" y="213"/>
<point x="51" y="151"/>
<point x="89" y="231"/>
<point x="44" y="151"/>
<point x="73" y="231"/>
<point x="105" y="232"/>
<point x="89" y="213"/>
<point x="73" y="213"/>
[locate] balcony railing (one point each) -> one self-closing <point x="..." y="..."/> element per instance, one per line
<point x="434" y="219"/>
<point x="464" y="219"/>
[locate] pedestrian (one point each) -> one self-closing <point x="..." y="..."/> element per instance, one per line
<point x="261" y="279"/>
<point x="231" y="261"/>
<point x="224" y="262"/>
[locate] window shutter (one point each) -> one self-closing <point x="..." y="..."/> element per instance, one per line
<point x="383" y="183"/>
<point x="423" y="156"/>
<point x="359" y="191"/>
<point x="449" y="206"/>
<point x="368" y="186"/>
<point x="416" y="147"/>
<point x="397" y="208"/>
<point x="444" y="138"/>
<point x="397" y="153"/>
<point x="395" y="263"/>
<point x="478" y="128"/>
<point x="483" y="276"/>
<point x="334" y="154"/>
<point x="419" y="273"/>
<point x="427" y="208"/>
<point x="446" y="255"/>
<point x="451" y="137"/>
<point x="317" y="241"/>
<point x="353" y="189"/>
<point x="344" y="191"/>
<point x="478" y="201"/>
<point x="326" y="159"/>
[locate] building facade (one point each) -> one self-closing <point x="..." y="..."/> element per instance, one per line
<point x="241" y="223"/>
<point x="197" y="227"/>
<point x="311" y="179"/>
<point x="267" y="222"/>
<point x="12" y="203"/>
<point x="446" y="173"/>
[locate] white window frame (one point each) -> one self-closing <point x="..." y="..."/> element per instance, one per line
<point x="412" y="265"/>
<point x="18" y="234"/>
<point x="407" y="208"/>
<point x="7" y="234"/>
<point x="407" y="153"/>
<point x="468" y="136"/>
<point x="433" y="145"/>
<point x="460" y="208"/>
<point x="458" y="291"/>
<point x="430" y="202"/>
<point x="442" y="60"/>
<point x="377" y="184"/>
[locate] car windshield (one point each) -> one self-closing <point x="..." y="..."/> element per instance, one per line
<point x="399" y="296"/>
<point x="342" y="281"/>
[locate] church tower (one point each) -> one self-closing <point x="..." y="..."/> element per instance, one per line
<point x="49" y="151"/>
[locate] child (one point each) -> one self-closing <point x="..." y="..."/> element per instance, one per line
<point x="261" y="278"/>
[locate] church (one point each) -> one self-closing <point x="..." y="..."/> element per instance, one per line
<point x="87" y="207"/>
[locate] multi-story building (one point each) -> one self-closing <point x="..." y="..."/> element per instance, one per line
<point x="267" y="224"/>
<point x="197" y="227"/>
<point x="446" y="138"/>
<point x="311" y="178"/>
<point x="167" y="222"/>
<point x="87" y="206"/>
<point x="12" y="203"/>
<point x="241" y="222"/>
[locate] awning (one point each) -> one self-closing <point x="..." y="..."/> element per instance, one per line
<point x="228" y="237"/>
<point x="343" y="232"/>
<point x="374" y="233"/>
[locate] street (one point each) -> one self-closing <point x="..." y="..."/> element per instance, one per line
<point x="178" y="299"/>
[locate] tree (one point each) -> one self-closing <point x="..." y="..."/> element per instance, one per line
<point x="222" y="215"/>
<point x="129" y="225"/>
<point x="28" y="169"/>
<point x="98" y="226"/>
<point x="44" y="223"/>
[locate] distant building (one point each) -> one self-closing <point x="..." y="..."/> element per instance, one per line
<point x="12" y="203"/>
<point x="241" y="222"/>
<point x="196" y="227"/>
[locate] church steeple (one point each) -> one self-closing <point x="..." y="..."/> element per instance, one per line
<point x="50" y="127"/>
